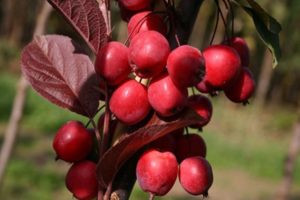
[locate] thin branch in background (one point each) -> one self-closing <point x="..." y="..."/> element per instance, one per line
<point x="11" y="131"/>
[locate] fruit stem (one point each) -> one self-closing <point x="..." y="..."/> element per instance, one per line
<point x="100" y="194"/>
<point x="223" y="18"/>
<point x="151" y="196"/>
<point x="215" y="29"/>
<point x="105" y="136"/>
<point x="108" y="192"/>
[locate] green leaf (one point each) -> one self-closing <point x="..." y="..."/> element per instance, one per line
<point x="266" y="26"/>
<point x="268" y="20"/>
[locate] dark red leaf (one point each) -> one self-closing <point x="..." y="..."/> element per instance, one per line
<point x="87" y="19"/>
<point x="59" y="71"/>
<point x="129" y="144"/>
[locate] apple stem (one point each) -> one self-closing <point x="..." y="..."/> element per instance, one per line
<point x="105" y="135"/>
<point x="108" y="192"/>
<point x="100" y="194"/>
<point x="215" y="29"/>
<point x="151" y="196"/>
<point x="223" y="18"/>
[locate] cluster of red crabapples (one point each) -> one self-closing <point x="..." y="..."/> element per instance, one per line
<point x="164" y="76"/>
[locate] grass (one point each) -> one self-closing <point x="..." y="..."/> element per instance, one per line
<point x="245" y="138"/>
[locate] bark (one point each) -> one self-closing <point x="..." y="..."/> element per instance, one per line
<point x="264" y="79"/>
<point x="11" y="131"/>
<point x="289" y="165"/>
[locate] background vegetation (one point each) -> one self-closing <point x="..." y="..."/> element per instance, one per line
<point x="247" y="145"/>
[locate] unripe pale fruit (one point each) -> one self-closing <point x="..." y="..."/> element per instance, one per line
<point x="195" y="175"/>
<point x="148" y="53"/>
<point x="242" y="88"/>
<point x="186" y="66"/>
<point x="241" y="47"/>
<point x="156" y="172"/>
<point x="73" y="142"/>
<point x="135" y="4"/>
<point x="129" y="102"/>
<point x="203" y="107"/>
<point x="146" y="21"/>
<point x="81" y="180"/>
<point x="222" y="64"/>
<point x="112" y="63"/>
<point x="165" y="97"/>
<point x="190" y="145"/>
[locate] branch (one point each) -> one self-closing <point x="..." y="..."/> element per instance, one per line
<point x="290" y="162"/>
<point x="19" y="101"/>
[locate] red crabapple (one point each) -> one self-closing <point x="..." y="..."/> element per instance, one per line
<point x="186" y="66"/>
<point x="81" y="180"/>
<point x="148" y="53"/>
<point x="129" y="102"/>
<point x="195" y="175"/>
<point x="241" y="47"/>
<point x="126" y="14"/>
<point x="112" y="63"/>
<point x="190" y="145"/>
<point x="165" y="97"/>
<point x="203" y="107"/>
<point x="73" y="142"/>
<point x="146" y="21"/>
<point x="135" y="5"/>
<point x="242" y="88"/>
<point x="222" y="64"/>
<point x="157" y="172"/>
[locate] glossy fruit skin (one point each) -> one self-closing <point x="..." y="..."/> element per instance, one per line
<point x="222" y="65"/>
<point x="242" y="88"/>
<point x="112" y="63"/>
<point x="203" y="106"/>
<point x="241" y="47"/>
<point x="165" y="97"/>
<point x="129" y="102"/>
<point x="148" y="53"/>
<point x="190" y="145"/>
<point x="157" y="172"/>
<point x="195" y="175"/>
<point x="186" y="66"/>
<point x="73" y="142"/>
<point x="81" y="180"/>
<point x="146" y="21"/>
<point x="127" y="14"/>
<point x="135" y="5"/>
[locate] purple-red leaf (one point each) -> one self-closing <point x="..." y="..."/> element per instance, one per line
<point x="59" y="71"/>
<point x="129" y="144"/>
<point x="87" y="19"/>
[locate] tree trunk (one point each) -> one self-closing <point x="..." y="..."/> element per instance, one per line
<point x="264" y="79"/>
<point x="19" y="102"/>
<point x="289" y="165"/>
